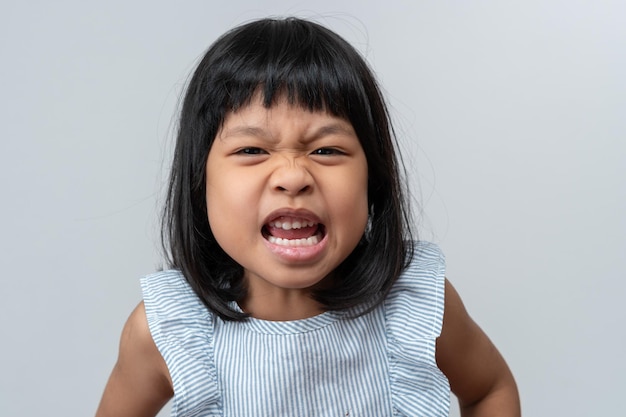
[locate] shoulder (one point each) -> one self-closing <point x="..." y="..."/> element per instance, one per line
<point x="419" y="293"/>
<point x="136" y="338"/>
<point x="473" y="365"/>
<point x="140" y="383"/>
<point x="168" y="294"/>
<point x="426" y="260"/>
<point x="420" y="287"/>
<point x="427" y="255"/>
<point x="170" y="283"/>
<point x="137" y="347"/>
<point x="176" y="316"/>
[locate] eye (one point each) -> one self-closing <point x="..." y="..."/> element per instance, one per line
<point x="250" y="151"/>
<point x="327" y="151"/>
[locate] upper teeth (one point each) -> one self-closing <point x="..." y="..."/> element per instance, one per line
<point x="288" y="225"/>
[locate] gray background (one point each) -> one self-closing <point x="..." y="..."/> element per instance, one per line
<point x="512" y="117"/>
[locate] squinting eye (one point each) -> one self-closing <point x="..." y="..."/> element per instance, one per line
<point x="327" y="151"/>
<point x="251" y="151"/>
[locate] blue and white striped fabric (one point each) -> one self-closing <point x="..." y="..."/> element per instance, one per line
<point x="379" y="364"/>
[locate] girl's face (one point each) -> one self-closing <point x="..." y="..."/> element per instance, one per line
<point x="286" y="194"/>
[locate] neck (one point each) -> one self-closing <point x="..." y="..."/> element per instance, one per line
<point x="281" y="306"/>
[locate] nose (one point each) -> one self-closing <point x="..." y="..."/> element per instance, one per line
<point x="292" y="178"/>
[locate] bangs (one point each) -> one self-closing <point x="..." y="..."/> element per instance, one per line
<point x="285" y="59"/>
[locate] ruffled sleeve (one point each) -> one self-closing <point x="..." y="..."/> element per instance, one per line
<point x="182" y="329"/>
<point x="414" y="317"/>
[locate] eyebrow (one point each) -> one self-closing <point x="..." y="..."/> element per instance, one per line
<point x="333" y="128"/>
<point x="325" y="130"/>
<point x="245" y="131"/>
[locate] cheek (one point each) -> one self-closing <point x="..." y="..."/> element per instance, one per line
<point x="231" y="203"/>
<point x="361" y="209"/>
<point x="222" y="201"/>
<point x="350" y="200"/>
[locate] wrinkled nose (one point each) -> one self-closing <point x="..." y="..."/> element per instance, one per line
<point x="291" y="178"/>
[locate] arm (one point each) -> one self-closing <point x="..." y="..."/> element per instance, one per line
<point x="140" y="384"/>
<point x="478" y="375"/>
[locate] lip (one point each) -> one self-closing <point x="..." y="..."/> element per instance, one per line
<point x="296" y="213"/>
<point x="296" y="254"/>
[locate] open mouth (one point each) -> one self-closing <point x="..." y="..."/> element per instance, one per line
<point x="293" y="231"/>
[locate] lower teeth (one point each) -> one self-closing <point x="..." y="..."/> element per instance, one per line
<point x="309" y="241"/>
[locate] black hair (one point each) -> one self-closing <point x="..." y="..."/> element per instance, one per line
<point x="312" y="67"/>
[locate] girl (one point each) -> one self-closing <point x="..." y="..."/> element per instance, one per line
<point x="295" y="287"/>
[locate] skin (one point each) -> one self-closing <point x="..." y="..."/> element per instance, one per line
<point x="285" y="163"/>
<point x="478" y="375"/>
<point x="266" y="161"/>
<point x="140" y="383"/>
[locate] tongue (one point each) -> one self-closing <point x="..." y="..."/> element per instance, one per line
<point x="301" y="233"/>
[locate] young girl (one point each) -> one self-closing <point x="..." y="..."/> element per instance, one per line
<point x="295" y="287"/>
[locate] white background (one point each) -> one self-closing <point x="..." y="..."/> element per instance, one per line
<point x="512" y="117"/>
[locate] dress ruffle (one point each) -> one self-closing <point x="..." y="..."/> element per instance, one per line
<point x="182" y="330"/>
<point x="414" y="318"/>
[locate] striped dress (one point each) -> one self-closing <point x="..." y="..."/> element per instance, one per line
<point x="379" y="364"/>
